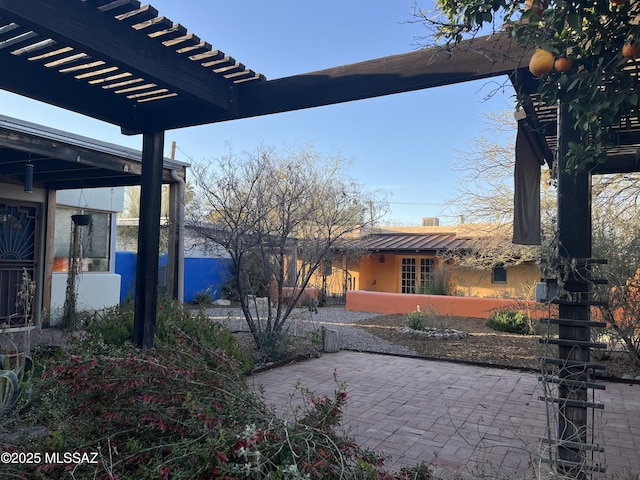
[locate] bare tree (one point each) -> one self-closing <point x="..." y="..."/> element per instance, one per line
<point x="616" y="238"/>
<point x="485" y="198"/>
<point x="278" y="214"/>
<point x="616" y="228"/>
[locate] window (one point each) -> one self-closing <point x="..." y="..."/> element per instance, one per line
<point x="410" y="282"/>
<point x="408" y="276"/>
<point x="499" y="274"/>
<point x="427" y="269"/>
<point x="94" y="241"/>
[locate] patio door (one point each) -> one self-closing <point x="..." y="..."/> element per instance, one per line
<point x="18" y="247"/>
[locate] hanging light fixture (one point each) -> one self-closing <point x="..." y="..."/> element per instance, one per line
<point x="28" y="177"/>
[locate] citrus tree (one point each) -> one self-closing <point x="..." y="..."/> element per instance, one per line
<point x="584" y="52"/>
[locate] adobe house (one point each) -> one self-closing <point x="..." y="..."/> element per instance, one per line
<point x="428" y="259"/>
<point x="122" y="63"/>
<point x="421" y="259"/>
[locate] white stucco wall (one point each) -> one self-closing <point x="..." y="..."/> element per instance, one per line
<point x="95" y="291"/>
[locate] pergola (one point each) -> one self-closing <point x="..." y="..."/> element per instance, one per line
<point x="120" y="62"/>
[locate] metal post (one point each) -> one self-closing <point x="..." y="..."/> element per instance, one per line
<point x="574" y="242"/>
<point x="144" y="323"/>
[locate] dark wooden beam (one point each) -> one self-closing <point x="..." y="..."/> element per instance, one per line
<point x="476" y="59"/>
<point x="118" y="181"/>
<point x="483" y="57"/>
<point x="574" y="241"/>
<point x="618" y="163"/>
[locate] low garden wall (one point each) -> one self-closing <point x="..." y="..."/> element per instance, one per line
<point x="454" y="306"/>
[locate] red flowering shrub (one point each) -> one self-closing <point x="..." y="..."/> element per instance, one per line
<point x="182" y="411"/>
<point x="623" y="315"/>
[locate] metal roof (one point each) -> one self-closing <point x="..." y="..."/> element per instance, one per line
<point x="413" y="242"/>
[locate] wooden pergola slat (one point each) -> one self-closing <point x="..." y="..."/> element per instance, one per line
<point x="123" y="35"/>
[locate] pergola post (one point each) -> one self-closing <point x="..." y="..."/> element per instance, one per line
<point x="175" y="260"/>
<point x="144" y="323"/>
<point x="574" y="255"/>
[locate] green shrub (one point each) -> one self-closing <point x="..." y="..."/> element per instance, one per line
<point x="111" y="329"/>
<point x="441" y="284"/>
<point x="203" y="297"/>
<point x="510" y="321"/>
<point x="274" y="346"/>
<point x="418" y="320"/>
<point x="229" y="291"/>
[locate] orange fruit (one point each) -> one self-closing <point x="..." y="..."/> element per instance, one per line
<point x="617" y="3"/>
<point x="563" y="64"/>
<point x="541" y="62"/>
<point x="630" y="50"/>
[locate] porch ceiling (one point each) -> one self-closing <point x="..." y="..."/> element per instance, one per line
<point x="63" y="160"/>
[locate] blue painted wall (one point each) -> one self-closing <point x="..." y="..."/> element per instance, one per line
<point x="206" y="273"/>
<point x="126" y="268"/>
<point x="200" y="274"/>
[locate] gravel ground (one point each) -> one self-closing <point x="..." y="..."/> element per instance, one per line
<point x="303" y="323"/>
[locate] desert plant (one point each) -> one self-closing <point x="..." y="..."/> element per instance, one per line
<point x="317" y="337"/>
<point x="419" y="320"/>
<point x="230" y="291"/>
<point x="203" y="297"/>
<point x="112" y="329"/>
<point x="274" y="346"/>
<point x="510" y="321"/>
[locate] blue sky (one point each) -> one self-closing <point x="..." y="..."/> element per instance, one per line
<point x="403" y="144"/>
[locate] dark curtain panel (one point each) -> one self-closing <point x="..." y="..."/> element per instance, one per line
<point x="526" y="213"/>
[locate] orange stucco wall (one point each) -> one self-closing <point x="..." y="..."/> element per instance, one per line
<point x="344" y="276"/>
<point x="382" y="273"/>
<point x="389" y="303"/>
<point x="521" y="281"/>
<point x="378" y="273"/>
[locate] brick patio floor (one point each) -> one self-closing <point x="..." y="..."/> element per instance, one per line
<point x="465" y="421"/>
